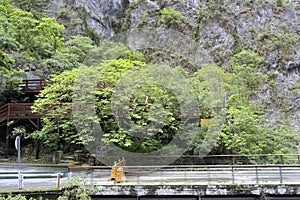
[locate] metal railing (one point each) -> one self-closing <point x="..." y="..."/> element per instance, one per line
<point x="248" y="159"/>
<point x="195" y="175"/>
<point x="32" y="175"/>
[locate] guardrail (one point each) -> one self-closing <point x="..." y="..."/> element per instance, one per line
<point x="259" y="159"/>
<point x="31" y="175"/>
<point x="34" y="175"/>
<point x="248" y="159"/>
<point x="197" y="174"/>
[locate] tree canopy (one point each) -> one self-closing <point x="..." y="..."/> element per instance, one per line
<point x="145" y="113"/>
<point x="244" y="131"/>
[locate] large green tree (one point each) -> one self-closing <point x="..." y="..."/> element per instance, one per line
<point x="150" y="103"/>
<point x="243" y="129"/>
<point x="56" y="102"/>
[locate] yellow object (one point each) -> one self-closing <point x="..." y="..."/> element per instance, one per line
<point x="71" y="163"/>
<point x="113" y="174"/>
<point x="84" y="165"/>
<point x="118" y="172"/>
<point x="205" y="122"/>
<point x="120" y="178"/>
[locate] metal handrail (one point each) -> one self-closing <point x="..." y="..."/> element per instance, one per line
<point x="183" y="166"/>
<point x="32" y="175"/>
<point x="201" y="174"/>
<point x="247" y="159"/>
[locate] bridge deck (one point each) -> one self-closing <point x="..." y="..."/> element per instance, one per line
<point x="184" y="182"/>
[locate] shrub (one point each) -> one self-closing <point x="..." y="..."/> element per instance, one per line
<point x="170" y="17"/>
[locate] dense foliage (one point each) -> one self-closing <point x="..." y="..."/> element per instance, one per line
<point x="245" y="131"/>
<point x="60" y="124"/>
<point x="76" y="189"/>
<point x="34" y="43"/>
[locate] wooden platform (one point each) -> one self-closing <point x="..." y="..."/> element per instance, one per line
<point x="17" y="111"/>
<point x="33" y="85"/>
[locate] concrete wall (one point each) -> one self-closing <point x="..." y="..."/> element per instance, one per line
<point x="200" y="190"/>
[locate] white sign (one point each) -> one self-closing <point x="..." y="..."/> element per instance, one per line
<point x="17" y="143"/>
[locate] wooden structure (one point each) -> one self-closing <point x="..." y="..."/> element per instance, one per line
<point x="22" y="111"/>
<point x="32" y="86"/>
<point x="15" y="111"/>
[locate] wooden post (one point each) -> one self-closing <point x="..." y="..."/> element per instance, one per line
<point x="40" y="85"/>
<point x="58" y="180"/>
<point x="8" y="110"/>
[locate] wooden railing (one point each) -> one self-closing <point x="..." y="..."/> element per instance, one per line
<point x="3" y="112"/>
<point x="33" y="85"/>
<point x="23" y="111"/>
<point x="17" y="111"/>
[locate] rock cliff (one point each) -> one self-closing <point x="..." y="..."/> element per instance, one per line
<point x="269" y="27"/>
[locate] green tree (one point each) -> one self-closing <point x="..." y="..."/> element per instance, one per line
<point x="54" y="103"/>
<point x="80" y="46"/>
<point x="60" y="62"/>
<point x="247" y="74"/>
<point x="9" y="78"/>
<point x="246" y="131"/>
<point x="23" y="26"/>
<point x="55" y="100"/>
<point x="50" y="32"/>
<point x="170" y="16"/>
<point x="7" y="39"/>
<point x="28" y="39"/>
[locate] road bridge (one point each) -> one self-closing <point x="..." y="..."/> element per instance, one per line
<point x="197" y="182"/>
<point x="195" y="174"/>
<point x="263" y="182"/>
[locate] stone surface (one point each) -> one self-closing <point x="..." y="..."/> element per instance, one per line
<point x="222" y="25"/>
<point x="186" y="190"/>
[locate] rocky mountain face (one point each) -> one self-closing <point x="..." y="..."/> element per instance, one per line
<point x="220" y="28"/>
